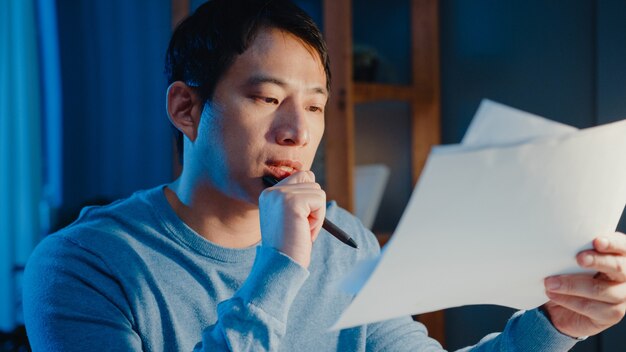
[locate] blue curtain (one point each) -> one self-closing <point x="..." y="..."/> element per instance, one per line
<point x="116" y="136"/>
<point x="52" y="109"/>
<point x="20" y="148"/>
<point x="105" y="136"/>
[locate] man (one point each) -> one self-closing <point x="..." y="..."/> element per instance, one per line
<point x="217" y="261"/>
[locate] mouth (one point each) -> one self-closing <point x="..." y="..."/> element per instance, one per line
<point x="281" y="169"/>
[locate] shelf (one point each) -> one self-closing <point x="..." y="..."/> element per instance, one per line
<point x="423" y="95"/>
<point x="371" y="92"/>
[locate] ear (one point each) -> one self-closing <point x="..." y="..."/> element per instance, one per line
<point x="184" y="108"/>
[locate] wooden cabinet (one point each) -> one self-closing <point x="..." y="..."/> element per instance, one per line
<point x="423" y="95"/>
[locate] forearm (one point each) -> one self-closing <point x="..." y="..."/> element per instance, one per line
<point x="255" y="318"/>
<point x="526" y="331"/>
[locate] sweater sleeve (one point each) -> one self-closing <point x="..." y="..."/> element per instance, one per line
<point x="73" y="303"/>
<point x="525" y="331"/>
<point x="255" y="318"/>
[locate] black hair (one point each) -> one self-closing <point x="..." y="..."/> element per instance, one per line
<point x="205" y="44"/>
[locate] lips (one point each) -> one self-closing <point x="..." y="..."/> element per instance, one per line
<point x="283" y="168"/>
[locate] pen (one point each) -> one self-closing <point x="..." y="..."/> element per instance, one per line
<point x="327" y="225"/>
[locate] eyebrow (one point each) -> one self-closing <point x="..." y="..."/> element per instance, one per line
<point x="257" y="80"/>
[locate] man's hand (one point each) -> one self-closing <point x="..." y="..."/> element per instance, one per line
<point x="584" y="305"/>
<point x="292" y="213"/>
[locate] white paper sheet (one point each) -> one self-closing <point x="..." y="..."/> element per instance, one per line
<point x="487" y="225"/>
<point x="497" y="124"/>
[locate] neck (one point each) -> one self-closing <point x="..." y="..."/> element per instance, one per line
<point x="223" y="220"/>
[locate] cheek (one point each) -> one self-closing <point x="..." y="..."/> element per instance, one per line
<point x="317" y="131"/>
<point x="243" y="136"/>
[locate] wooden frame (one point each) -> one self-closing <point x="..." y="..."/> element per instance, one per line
<point x="339" y="133"/>
<point x="423" y="94"/>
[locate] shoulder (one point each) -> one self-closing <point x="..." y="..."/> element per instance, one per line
<point x="119" y="222"/>
<point x="128" y="212"/>
<point x="100" y="234"/>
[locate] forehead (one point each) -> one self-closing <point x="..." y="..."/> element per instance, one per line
<point x="272" y="38"/>
<point x="276" y="53"/>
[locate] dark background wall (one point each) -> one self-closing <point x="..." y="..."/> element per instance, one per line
<point x="561" y="60"/>
<point x="564" y="61"/>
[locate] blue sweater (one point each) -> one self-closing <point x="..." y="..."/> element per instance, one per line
<point x="132" y="276"/>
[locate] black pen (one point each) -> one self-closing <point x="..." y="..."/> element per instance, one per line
<point x="327" y="225"/>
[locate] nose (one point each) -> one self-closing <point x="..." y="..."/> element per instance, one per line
<point x="292" y="128"/>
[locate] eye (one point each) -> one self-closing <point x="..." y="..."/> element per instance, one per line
<point x="315" y="109"/>
<point x="266" y="100"/>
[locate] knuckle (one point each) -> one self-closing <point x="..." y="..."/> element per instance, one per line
<point x="275" y="192"/>
<point x="585" y="305"/>
<point x="620" y="266"/>
<point x="598" y="288"/>
<point x="621" y="295"/>
<point x="310" y="175"/>
<point x="616" y="313"/>
<point x="580" y="258"/>
<point x="264" y="195"/>
<point x="282" y="196"/>
<point x="288" y="197"/>
<point x="610" y="244"/>
<point x="567" y="286"/>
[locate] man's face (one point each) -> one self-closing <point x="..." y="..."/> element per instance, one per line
<point x="266" y="116"/>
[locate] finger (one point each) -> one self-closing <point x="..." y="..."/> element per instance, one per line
<point x="316" y="220"/>
<point x="305" y="202"/>
<point x="288" y="190"/>
<point x="312" y="206"/>
<point x="298" y="177"/>
<point x="586" y="286"/>
<point x="599" y="312"/>
<point x="612" y="243"/>
<point x="613" y="266"/>
<point x="296" y="197"/>
<point x="298" y="186"/>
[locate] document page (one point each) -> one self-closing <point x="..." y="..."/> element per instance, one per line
<point x="488" y="221"/>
